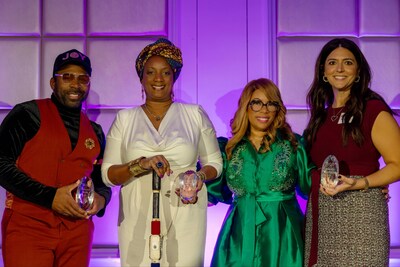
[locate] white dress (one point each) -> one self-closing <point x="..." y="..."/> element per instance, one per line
<point x="185" y="135"/>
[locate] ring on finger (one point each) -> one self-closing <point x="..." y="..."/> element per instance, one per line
<point x="159" y="164"/>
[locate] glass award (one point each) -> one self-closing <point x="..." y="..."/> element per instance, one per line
<point x="330" y="171"/>
<point x="188" y="185"/>
<point x="85" y="193"/>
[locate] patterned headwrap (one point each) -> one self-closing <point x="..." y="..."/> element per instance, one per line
<point x="164" y="48"/>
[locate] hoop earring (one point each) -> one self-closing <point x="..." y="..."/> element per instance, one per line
<point x="324" y="79"/>
<point x="357" y="79"/>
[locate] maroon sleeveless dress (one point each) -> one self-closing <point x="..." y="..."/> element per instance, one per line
<point x="351" y="228"/>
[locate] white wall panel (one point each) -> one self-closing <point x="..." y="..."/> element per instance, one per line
<point x="20" y="70"/>
<point x="379" y="17"/>
<point x="298" y="17"/>
<point x="64" y="17"/>
<point x="20" y="17"/>
<point x="127" y="17"/>
<point x="296" y="59"/>
<point x="383" y="55"/>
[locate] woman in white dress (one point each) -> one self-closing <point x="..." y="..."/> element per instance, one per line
<point x="162" y="133"/>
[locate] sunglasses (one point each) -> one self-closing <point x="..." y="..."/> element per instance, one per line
<point x="256" y="105"/>
<point x="70" y="77"/>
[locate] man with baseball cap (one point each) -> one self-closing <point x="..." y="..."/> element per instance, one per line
<point x="46" y="147"/>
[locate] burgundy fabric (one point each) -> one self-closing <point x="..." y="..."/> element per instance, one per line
<point x="315" y="180"/>
<point x="30" y="242"/>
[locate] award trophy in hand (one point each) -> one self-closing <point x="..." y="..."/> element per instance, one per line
<point x="188" y="185"/>
<point x="330" y="171"/>
<point x="85" y="193"/>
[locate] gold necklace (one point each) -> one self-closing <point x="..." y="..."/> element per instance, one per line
<point x="336" y="116"/>
<point x="157" y="117"/>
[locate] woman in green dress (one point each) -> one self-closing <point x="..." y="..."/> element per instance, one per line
<point x="264" y="163"/>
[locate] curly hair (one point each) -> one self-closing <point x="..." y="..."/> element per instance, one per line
<point x="240" y="122"/>
<point x="320" y="95"/>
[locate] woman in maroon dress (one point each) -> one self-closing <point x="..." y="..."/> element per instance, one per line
<point x="347" y="224"/>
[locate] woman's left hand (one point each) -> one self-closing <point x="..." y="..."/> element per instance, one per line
<point x="184" y="201"/>
<point x="190" y="190"/>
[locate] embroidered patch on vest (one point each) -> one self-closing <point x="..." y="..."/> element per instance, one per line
<point x="89" y="143"/>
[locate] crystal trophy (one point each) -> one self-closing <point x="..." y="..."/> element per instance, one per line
<point x="188" y="185"/>
<point x="85" y="193"/>
<point x="330" y="171"/>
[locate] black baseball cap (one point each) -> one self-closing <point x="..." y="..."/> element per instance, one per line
<point x="74" y="57"/>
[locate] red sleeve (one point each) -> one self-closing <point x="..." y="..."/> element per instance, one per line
<point x="373" y="109"/>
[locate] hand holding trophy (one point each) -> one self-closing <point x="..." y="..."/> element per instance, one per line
<point x="85" y="193"/>
<point x="188" y="185"/>
<point x="330" y="171"/>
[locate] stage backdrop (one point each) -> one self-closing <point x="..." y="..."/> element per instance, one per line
<point x="225" y="44"/>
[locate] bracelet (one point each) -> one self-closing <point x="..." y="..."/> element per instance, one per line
<point x="201" y="175"/>
<point x="134" y="167"/>
<point x="366" y="186"/>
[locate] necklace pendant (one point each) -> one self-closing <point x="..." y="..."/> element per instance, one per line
<point x="158" y="118"/>
<point x="334" y="117"/>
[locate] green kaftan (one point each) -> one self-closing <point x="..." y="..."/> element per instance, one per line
<point x="264" y="223"/>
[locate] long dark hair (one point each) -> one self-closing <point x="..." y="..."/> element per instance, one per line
<point x="320" y="95"/>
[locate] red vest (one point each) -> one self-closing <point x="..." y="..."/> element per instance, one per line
<point x="48" y="159"/>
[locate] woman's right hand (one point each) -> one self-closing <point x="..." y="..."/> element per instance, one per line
<point x="385" y="191"/>
<point x="345" y="184"/>
<point x="158" y="163"/>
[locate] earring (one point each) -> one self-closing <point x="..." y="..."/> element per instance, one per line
<point x="324" y="79"/>
<point x="357" y="79"/>
<point x="142" y="93"/>
<point x="172" y="96"/>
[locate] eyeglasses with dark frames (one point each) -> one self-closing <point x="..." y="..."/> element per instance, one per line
<point x="69" y="77"/>
<point x="256" y="105"/>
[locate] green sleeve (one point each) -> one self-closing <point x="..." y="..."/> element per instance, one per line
<point x="217" y="189"/>
<point x="305" y="167"/>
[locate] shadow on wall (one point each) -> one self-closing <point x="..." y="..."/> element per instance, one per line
<point x="395" y="104"/>
<point x="226" y="107"/>
<point x="92" y="100"/>
<point x="6" y="105"/>
<point x="4" y="109"/>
